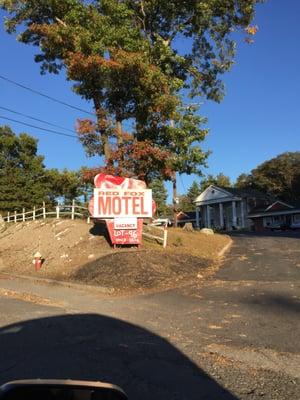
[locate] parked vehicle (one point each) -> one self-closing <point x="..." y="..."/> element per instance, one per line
<point x="161" y="222"/>
<point x="295" y="225"/>
<point x="277" y="226"/>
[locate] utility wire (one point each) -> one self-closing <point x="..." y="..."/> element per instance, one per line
<point x="38" y="127"/>
<point x="45" y="95"/>
<point x="48" y="97"/>
<point x="36" y="119"/>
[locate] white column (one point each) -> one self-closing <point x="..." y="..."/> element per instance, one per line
<point x="221" y="215"/>
<point x="234" y="214"/>
<point x="242" y="214"/>
<point x="197" y="218"/>
<point x="204" y="217"/>
<point x="208" y="216"/>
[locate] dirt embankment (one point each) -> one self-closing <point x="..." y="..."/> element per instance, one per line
<point x="78" y="252"/>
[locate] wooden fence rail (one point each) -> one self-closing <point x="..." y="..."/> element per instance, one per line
<point x="74" y="210"/>
<point x="49" y="211"/>
<point x="163" y="239"/>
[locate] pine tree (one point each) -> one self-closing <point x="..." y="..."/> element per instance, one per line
<point x="159" y="194"/>
<point x="23" y="177"/>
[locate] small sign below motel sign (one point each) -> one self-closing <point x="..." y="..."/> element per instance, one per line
<point x="122" y="203"/>
<point x="125" y="223"/>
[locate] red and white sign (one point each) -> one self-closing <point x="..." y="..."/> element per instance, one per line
<point x="125" y="223"/>
<point x="125" y="236"/>
<point x="110" y="203"/>
<point x="103" y="181"/>
<point x="126" y="201"/>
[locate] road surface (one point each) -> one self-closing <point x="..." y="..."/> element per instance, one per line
<point x="235" y="336"/>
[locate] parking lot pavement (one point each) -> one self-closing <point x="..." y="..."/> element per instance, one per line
<point x="234" y="336"/>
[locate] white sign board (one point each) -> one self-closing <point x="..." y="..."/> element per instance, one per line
<point x="122" y="203"/>
<point x="125" y="223"/>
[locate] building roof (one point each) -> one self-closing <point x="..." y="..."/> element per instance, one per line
<point x="186" y="215"/>
<point x="214" y="194"/>
<point x="248" y="192"/>
<point x="276" y="208"/>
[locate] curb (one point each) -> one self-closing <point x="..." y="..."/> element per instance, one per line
<point x="53" y="282"/>
<point x="225" y="249"/>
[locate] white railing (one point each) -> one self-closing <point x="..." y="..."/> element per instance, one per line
<point x="162" y="238"/>
<point x="58" y="211"/>
<point x="74" y="210"/>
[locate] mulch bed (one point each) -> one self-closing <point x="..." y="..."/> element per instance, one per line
<point x="141" y="270"/>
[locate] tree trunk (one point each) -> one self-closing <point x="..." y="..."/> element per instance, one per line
<point x="174" y="186"/>
<point x="104" y="136"/>
<point x="119" y="131"/>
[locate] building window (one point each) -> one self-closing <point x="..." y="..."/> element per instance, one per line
<point x="297" y="217"/>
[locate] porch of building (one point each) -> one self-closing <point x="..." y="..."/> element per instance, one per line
<point x="227" y="215"/>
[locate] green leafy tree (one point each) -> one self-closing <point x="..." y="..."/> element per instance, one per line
<point x="279" y="176"/>
<point x="23" y="177"/>
<point x="122" y="56"/>
<point x="186" y="202"/>
<point x="65" y="185"/>
<point x="193" y="192"/>
<point x="24" y="180"/>
<point x="218" y="180"/>
<point x="243" y="181"/>
<point x="159" y="194"/>
<point x="86" y="185"/>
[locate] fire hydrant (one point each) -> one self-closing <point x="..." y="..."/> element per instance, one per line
<point x="37" y="260"/>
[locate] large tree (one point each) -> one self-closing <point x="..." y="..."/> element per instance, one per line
<point x="122" y="55"/>
<point x="218" y="180"/>
<point x="279" y="176"/>
<point x="186" y="202"/>
<point x="65" y="185"/>
<point x="23" y="177"/>
<point x="159" y="194"/>
<point x="24" y="180"/>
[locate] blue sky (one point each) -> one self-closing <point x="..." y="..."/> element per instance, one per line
<point x="257" y="120"/>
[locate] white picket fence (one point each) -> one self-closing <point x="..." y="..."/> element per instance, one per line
<point x="73" y="210"/>
<point x="58" y="211"/>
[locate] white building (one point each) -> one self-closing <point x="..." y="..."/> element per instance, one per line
<point x="233" y="209"/>
<point x="227" y="208"/>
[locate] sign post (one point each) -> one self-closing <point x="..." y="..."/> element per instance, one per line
<point x="122" y="203"/>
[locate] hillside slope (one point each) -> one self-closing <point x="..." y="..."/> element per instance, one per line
<point x="77" y="251"/>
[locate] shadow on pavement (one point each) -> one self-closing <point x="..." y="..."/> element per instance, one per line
<point x="276" y="304"/>
<point x="94" y="347"/>
<point x="280" y="234"/>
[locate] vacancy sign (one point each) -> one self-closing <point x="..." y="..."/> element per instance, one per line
<point x="125" y="223"/>
<point x="122" y="203"/>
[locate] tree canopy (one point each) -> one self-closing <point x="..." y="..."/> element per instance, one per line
<point x="24" y="179"/>
<point x="186" y="201"/>
<point x="122" y="55"/>
<point x="218" y="180"/>
<point x="279" y="176"/>
<point x="159" y="194"/>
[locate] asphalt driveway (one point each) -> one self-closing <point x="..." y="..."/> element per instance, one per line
<point x="235" y="336"/>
